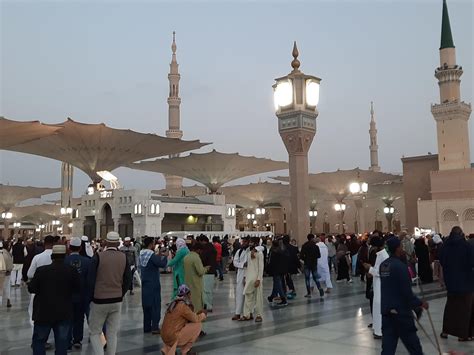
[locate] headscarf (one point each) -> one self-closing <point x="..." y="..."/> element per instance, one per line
<point x="183" y="296"/>
<point x="144" y="257"/>
<point x="437" y="239"/>
<point x="180" y="243"/>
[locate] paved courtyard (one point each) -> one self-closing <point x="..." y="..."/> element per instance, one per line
<point x="336" y="325"/>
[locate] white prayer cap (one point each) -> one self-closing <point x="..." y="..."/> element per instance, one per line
<point x="85" y="238"/>
<point x="75" y="242"/>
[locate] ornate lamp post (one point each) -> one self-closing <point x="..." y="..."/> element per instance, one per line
<point x="260" y="212"/>
<point x="312" y="217"/>
<point x="340" y="207"/>
<point x="6" y="216"/>
<point x="359" y="190"/>
<point x="296" y="97"/>
<point x="389" y="211"/>
<point x="251" y="220"/>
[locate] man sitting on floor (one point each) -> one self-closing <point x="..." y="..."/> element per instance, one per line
<point x="181" y="326"/>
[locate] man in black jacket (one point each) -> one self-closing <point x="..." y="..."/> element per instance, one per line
<point x="277" y="268"/>
<point x="53" y="286"/>
<point x="310" y="254"/>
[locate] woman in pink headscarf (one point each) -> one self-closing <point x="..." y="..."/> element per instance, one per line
<point x="177" y="264"/>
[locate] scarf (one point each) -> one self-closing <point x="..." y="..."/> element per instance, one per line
<point x="145" y="256"/>
<point x="180" y="243"/>
<point x="185" y="299"/>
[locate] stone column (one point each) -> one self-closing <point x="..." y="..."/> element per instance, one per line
<point x="297" y="144"/>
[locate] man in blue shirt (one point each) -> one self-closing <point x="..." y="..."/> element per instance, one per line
<point x="79" y="299"/>
<point x="398" y="303"/>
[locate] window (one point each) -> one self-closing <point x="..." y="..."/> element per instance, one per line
<point x="152" y="208"/>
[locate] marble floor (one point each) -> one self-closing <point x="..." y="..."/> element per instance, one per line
<point x="335" y="325"/>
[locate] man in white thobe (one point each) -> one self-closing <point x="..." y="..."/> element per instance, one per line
<point x="382" y="255"/>
<point x="253" y="282"/>
<point x="240" y="263"/>
<point x="323" y="265"/>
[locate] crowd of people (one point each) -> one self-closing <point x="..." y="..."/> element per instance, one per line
<point x="73" y="281"/>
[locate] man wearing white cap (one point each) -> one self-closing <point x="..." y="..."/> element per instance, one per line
<point x="86" y="249"/>
<point x="80" y="302"/>
<point x="53" y="286"/>
<point x="132" y="256"/>
<point x="108" y="281"/>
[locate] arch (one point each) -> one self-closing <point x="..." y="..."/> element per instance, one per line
<point x="450" y="216"/>
<point x="468" y="214"/>
<point x="107" y="222"/>
<point x="106" y="214"/>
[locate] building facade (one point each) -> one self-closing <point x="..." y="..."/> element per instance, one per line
<point x="135" y="213"/>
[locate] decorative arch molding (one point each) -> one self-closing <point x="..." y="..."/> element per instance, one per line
<point x="450" y="215"/>
<point x="468" y="214"/>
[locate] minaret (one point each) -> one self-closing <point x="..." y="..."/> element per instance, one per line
<point x="374" y="148"/>
<point x="174" y="101"/>
<point x="67" y="172"/>
<point x="451" y="115"/>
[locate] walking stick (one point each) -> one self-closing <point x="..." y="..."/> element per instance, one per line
<point x="431" y="321"/>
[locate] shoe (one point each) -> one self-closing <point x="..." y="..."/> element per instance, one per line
<point x="77" y="346"/>
<point x="349" y="281"/>
<point x="221" y="279"/>
<point x="444" y="335"/>
<point x="308" y="295"/>
<point x="156" y="332"/>
<point x="328" y="290"/>
<point x="282" y="304"/>
<point x="258" y="319"/>
<point x="321" y="293"/>
<point x="378" y="337"/>
<point x="48" y="346"/>
<point x="370" y="325"/>
<point x="9" y="305"/>
<point x="270" y="299"/>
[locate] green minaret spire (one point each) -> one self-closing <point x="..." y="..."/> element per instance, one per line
<point x="446" y="35"/>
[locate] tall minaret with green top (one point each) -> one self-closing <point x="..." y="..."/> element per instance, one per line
<point x="451" y="114"/>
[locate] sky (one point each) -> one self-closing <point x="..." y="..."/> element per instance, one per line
<point x="107" y="61"/>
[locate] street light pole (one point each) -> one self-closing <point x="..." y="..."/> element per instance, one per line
<point x="296" y="97"/>
<point x="340" y="207"/>
<point x="359" y="190"/>
<point x="312" y="217"/>
<point x="6" y="216"/>
<point x="389" y="211"/>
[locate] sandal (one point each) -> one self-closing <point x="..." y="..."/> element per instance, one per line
<point x="244" y="319"/>
<point x="258" y="319"/>
<point x="236" y="317"/>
